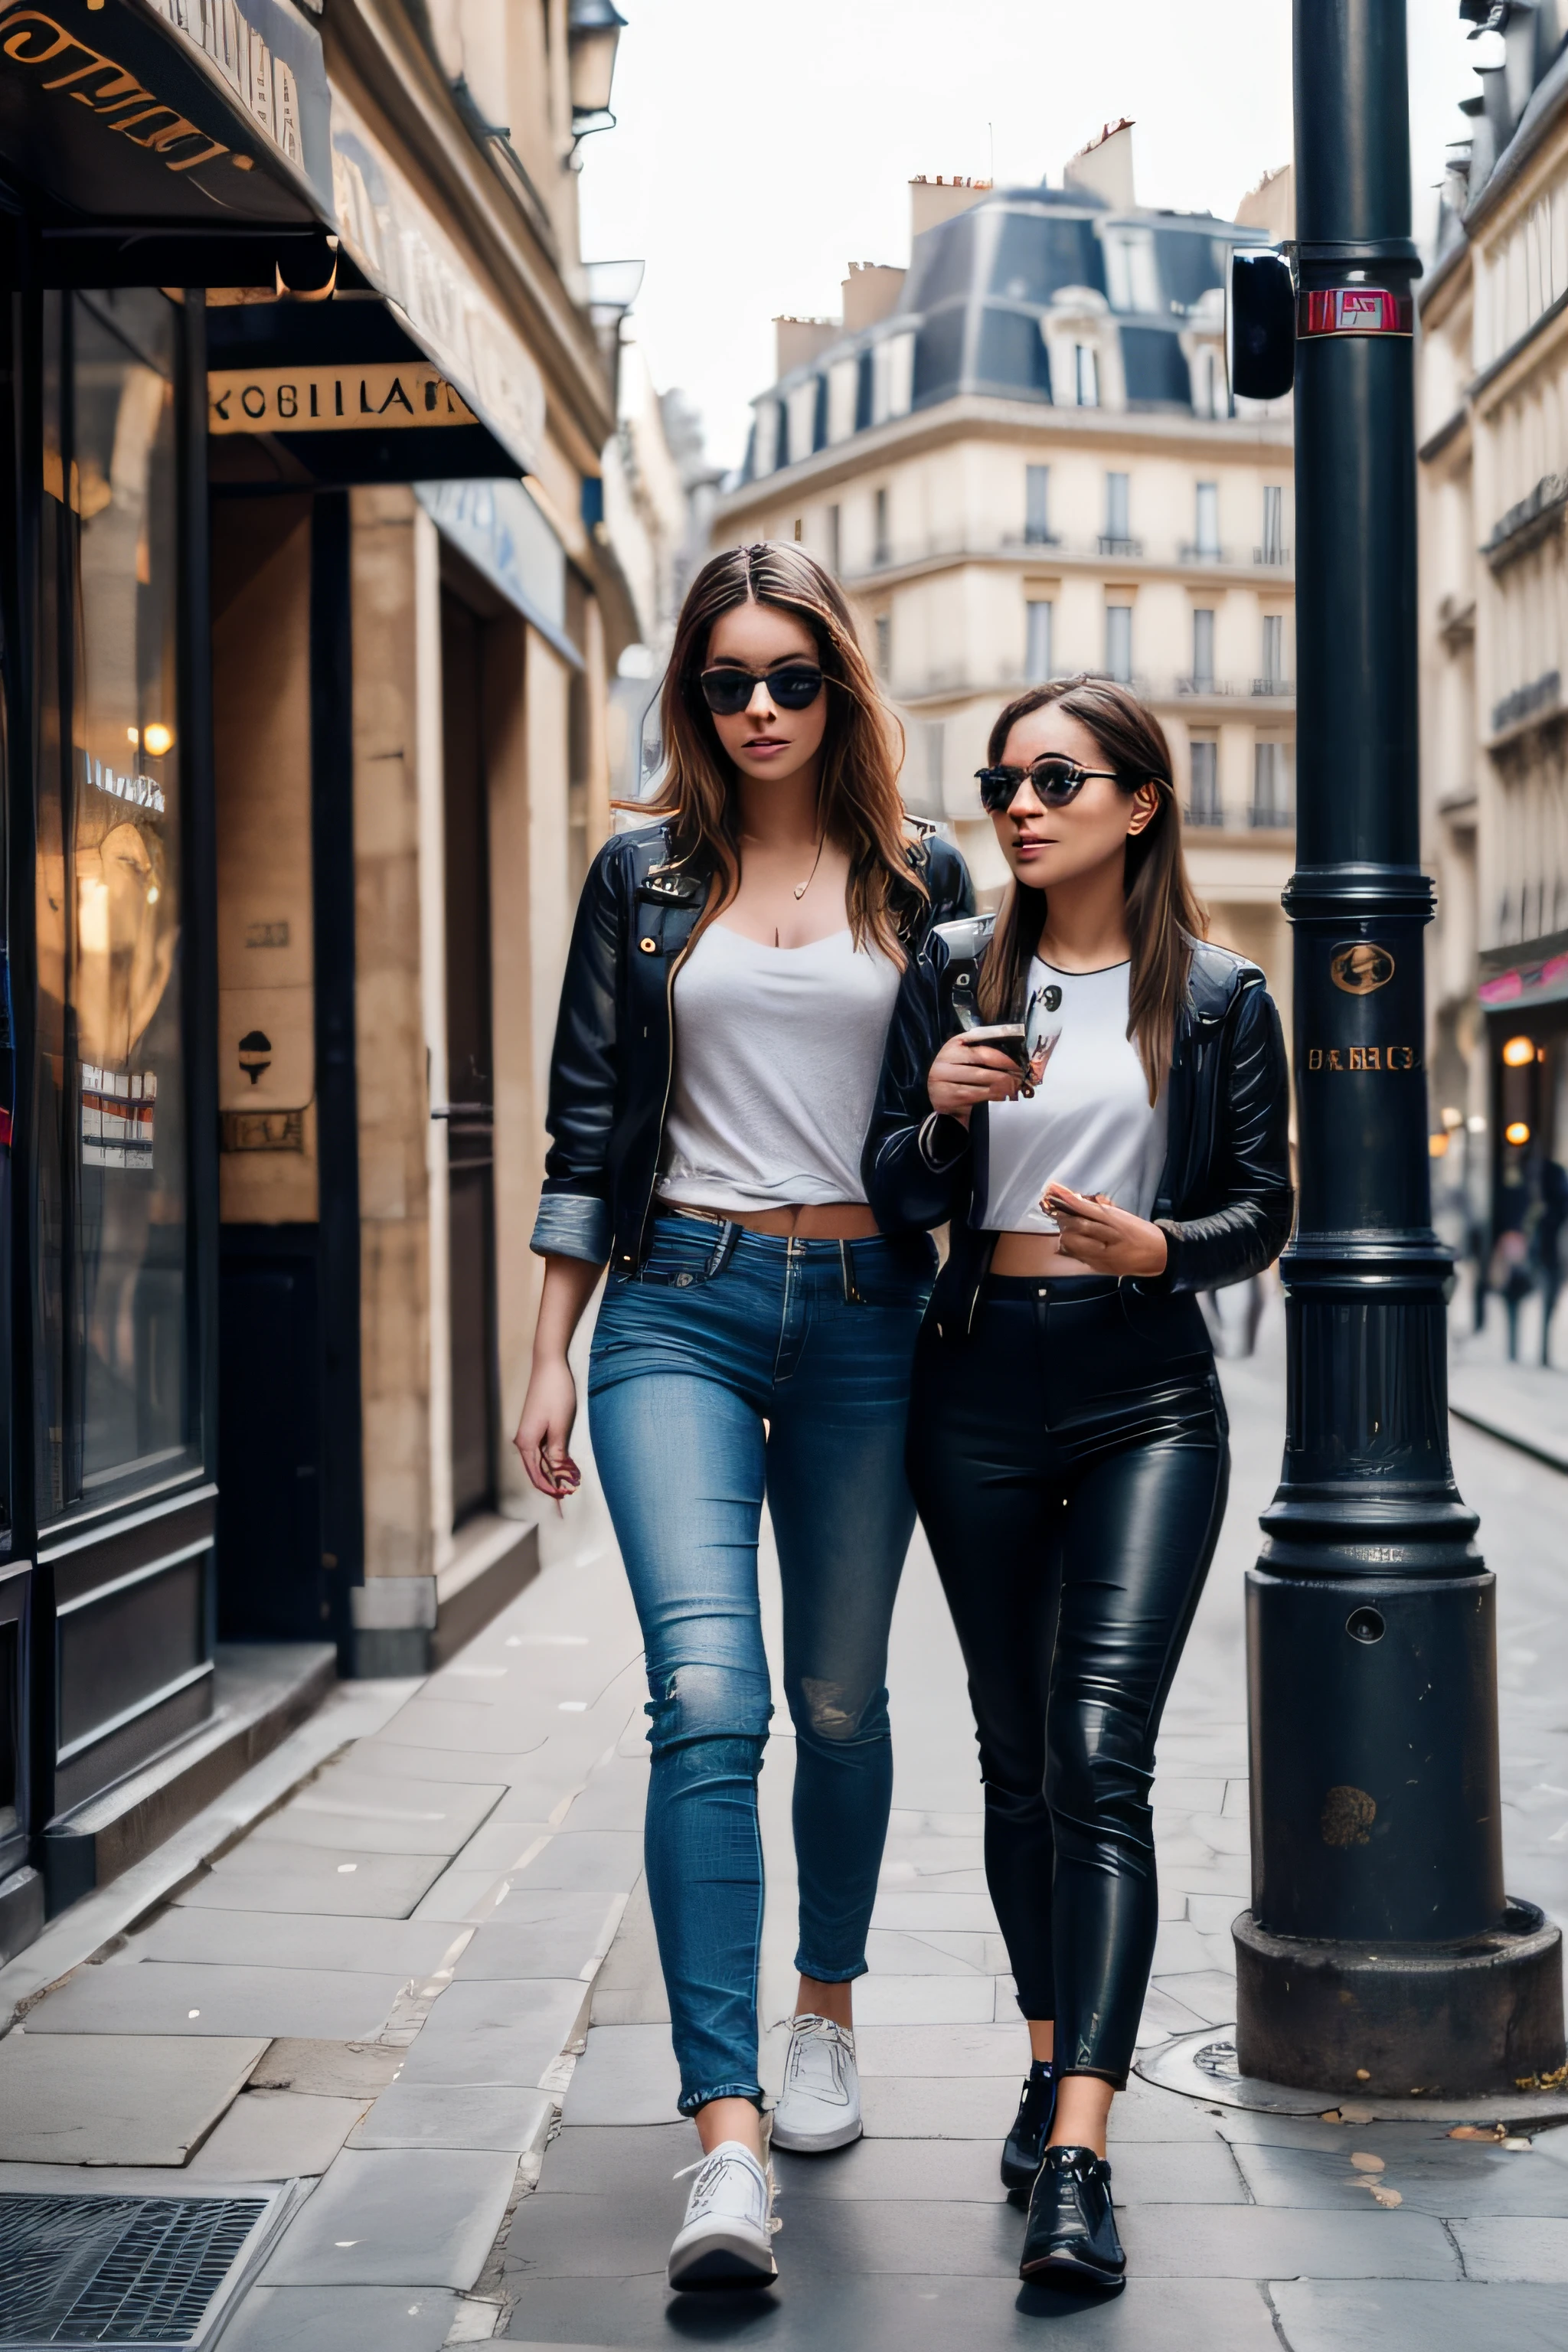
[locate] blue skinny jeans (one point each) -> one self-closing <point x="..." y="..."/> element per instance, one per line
<point x="730" y="1366"/>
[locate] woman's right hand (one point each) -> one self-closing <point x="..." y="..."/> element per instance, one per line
<point x="544" y="1432"/>
<point x="963" y="1076"/>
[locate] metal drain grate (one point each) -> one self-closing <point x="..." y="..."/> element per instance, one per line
<point x="116" y="2270"/>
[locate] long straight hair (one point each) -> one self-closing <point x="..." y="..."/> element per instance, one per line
<point x="860" y="807"/>
<point x="1163" y="918"/>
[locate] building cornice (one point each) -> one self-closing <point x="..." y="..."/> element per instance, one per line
<point x="1509" y="174"/>
<point x="1446" y="434"/>
<point x="971" y="418"/>
<point x="1042" y="558"/>
<point x="387" y="69"/>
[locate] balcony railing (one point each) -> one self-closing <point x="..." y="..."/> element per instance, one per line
<point x="1196" y="551"/>
<point x="1276" y="558"/>
<point x="1108" y="546"/>
<point x="961" y="546"/>
<point x="1258" y="816"/>
<point x="1273" y="686"/>
<point x="1271" y="817"/>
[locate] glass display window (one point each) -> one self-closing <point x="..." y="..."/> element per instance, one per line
<point x="116" y="1405"/>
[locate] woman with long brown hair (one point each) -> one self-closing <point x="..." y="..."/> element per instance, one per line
<point x="1094" y="1099"/>
<point x="726" y="1001"/>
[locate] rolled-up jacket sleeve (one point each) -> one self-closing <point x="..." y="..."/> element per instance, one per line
<point x="575" y="1216"/>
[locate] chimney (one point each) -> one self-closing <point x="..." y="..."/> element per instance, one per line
<point x="870" y="292"/>
<point x="1104" y="168"/>
<point x="1272" y="205"/>
<point x="932" y="201"/>
<point x="796" y="341"/>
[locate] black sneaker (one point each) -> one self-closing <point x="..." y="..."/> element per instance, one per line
<point x="1072" y="2237"/>
<point x="1026" y="2143"/>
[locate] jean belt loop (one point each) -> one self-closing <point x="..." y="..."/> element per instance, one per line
<point x="723" y="1248"/>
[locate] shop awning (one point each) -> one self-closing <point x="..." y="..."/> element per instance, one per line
<point x="1515" y="979"/>
<point x="165" y="141"/>
<point x="391" y="233"/>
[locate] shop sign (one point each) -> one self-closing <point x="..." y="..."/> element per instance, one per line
<point x="501" y="531"/>
<point x="263" y="57"/>
<point x="118" y="1109"/>
<point x="331" y="400"/>
<point x="391" y="235"/>
<point x="1539" y="982"/>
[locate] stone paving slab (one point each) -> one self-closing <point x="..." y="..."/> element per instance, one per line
<point x="329" y="2070"/>
<point x="350" y="1884"/>
<point x="1448" y="2179"/>
<point x="628" y="2076"/>
<point x="506" y="1949"/>
<point x="1495" y="2247"/>
<point x="177" y="1997"/>
<point x="94" y="2099"/>
<point x="882" y="2313"/>
<point x="340" y="2319"/>
<point x="506" y="2035"/>
<point x="276" y="2135"/>
<point x="270" y="1940"/>
<point x="1326" y="2315"/>
<point x="390" y="2217"/>
<point x="426" y="2115"/>
<point x="421" y="1825"/>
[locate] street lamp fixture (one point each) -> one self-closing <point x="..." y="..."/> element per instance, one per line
<point x="593" y="31"/>
<point x="1518" y="1052"/>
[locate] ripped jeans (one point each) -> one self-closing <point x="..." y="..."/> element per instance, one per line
<point x="732" y="1365"/>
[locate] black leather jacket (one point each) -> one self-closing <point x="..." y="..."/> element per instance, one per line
<point x="614" y="1038"/>
<point x="1224" y="1197"/>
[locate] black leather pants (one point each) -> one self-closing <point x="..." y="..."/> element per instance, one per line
<point x="1070" y="1460"/>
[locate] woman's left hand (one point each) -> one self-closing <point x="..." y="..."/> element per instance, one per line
<point x="1102" y="1238"/>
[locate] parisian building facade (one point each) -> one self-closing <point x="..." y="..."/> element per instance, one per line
<point x="1494" y="426"/>
<point x="1021" y="460"/>
<point x="308" y="611"/>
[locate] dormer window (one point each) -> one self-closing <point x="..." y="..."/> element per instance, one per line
<point x="1086" y="372"/>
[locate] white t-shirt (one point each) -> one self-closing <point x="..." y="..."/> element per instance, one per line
<point x="1089" y="1124"/>
<point x="777" y="1055"/>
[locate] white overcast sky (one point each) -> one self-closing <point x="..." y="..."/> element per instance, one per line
<point x="762" y="146"/>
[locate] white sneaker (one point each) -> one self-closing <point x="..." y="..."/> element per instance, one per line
<point x="727" y="2237"/>
<point x="819" y="2106"/>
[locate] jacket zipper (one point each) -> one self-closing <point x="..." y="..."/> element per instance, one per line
<point x="668" y="1087"/>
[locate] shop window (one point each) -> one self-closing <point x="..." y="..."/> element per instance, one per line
<point x="115" y="1411"/>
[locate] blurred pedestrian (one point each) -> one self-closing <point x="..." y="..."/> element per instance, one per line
<point x="1068" y="1439"/>
<point x="732" y="975"/>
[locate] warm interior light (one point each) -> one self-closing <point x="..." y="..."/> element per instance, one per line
<point x="1518" y="1051"/>
<point x="132" y="735"/>
<point x="157" y="739"/>
<point x="1517" y="1132"/>
<point x="1437" y="1144"/>
<point x="1476" y="1124"/>
<point x="1452" y="1118"/>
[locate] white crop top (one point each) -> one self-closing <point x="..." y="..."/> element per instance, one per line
<point x="778" y="1051"/>
<point x="1089" y="1124"/>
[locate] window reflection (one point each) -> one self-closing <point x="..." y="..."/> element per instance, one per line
<point x="113" y="1141"/>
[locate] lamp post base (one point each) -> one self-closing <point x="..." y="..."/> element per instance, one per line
<point x="1479" y="2016"/>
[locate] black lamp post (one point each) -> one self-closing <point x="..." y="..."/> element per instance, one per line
<point x="1380" y="1955"/>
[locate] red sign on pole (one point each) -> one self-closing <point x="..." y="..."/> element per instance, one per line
<point x="1354" y="310"/>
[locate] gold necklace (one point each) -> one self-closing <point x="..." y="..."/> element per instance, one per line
<point x="802" y="888"/>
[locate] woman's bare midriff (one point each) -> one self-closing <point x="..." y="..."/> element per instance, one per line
<point x="1033" y="1253"/>
<point x="828" y="1221"/>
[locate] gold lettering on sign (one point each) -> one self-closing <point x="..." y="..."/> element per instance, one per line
<point x="333" y="400"/>
<point x="1362" y="1058"/>
<point x="98" y="82"/>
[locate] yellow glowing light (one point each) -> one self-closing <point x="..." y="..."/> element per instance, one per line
<point x="1517" y="1132"/>
<point x="1452" y="1118"/>
<point x="132" y="735"/>
<point x="157" y="739"/>
<point x="1518" y="1051"/>
<point x="1438" y="1145"/>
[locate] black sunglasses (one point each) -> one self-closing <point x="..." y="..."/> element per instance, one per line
<point x="1056" y="782"/>
<point x="727" y="691"/>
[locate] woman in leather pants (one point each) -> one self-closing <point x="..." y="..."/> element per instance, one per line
<point x="1068" y="1443"/>
<point x="726" y="1001"/>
